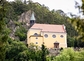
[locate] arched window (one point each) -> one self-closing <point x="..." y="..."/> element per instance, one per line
<point x="54" y="36"/>
<point x="46" y="35"/>
<point x="35" y="34"/>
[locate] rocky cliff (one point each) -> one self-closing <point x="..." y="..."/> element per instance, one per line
<point x="23" y="22"/>
<point x="25" y="18"/>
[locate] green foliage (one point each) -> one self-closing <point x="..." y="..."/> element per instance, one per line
<point x="3" y="33"/>
<point x="16" y="51"/>
<point x="82" y="7"/>
<point x="17" y="23"/>
<point x="79" y="26"/>
<point x="42" y="14"/>
<point x="82" y="55"/>
<point x="78" y="23"/>
<point x="43" y="57"/>
<point x="19" y="7"/>
<point x="37" y="53"/>
<point x="21" y="33"/>
<point x="69" y="55"/>
<point x="70" y="41"/>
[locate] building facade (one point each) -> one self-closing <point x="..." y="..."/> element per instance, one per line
<point x="52" y="36"/>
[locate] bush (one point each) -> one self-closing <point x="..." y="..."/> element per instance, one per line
<point x="21" y="33"/>
<point x="70" y="55"/>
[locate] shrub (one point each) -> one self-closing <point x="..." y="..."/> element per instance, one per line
<point x="70" y="55"/>
<point x="21" y="33"/>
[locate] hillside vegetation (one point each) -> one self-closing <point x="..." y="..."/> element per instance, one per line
<point x="12" y="32"/>
<point x="42" y="14"/>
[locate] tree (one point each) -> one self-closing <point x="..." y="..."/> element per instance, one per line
<point x="70" y="55"/>
<point x="44" y="53"/>
<point x="16" y="51"/>
<point x="78" y="23"/>
<point x="3" y="35"/>
<point x="70" y="41"/>
<point x="21" y="33"/>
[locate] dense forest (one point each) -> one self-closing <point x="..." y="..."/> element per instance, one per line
<point x="15" y="50"/>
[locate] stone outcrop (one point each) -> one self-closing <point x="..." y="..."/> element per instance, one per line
<point x="24" y="21"/>
<point x="25" y="17"/>
<point x="11" y="25"/>
<point x="54" y="52"/>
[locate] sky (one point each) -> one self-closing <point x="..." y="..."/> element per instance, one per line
<point x="65" y="5"/>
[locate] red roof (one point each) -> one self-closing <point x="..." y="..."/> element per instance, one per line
<point x="49" y="27"/>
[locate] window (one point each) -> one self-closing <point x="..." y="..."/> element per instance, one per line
<point x="35" y="34"/>
<point x="36" y="37"/>
<point x="54" y="36"/>
<point x="36" y="42"/>
<point x="46" y="35"/>
<point x="61" y="36"/>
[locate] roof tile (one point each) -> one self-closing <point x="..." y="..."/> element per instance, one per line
<point x="49" y="27"/>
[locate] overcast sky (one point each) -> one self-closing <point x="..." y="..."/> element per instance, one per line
<point x="65" y="5"/>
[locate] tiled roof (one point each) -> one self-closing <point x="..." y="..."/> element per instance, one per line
<point x="49" y="27"/>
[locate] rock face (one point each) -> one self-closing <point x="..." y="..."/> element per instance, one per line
<point x="11" y="25"/>
<point x="24" y="21"/>
<point x="54" y="52"/>
<point x="25" y="17"/>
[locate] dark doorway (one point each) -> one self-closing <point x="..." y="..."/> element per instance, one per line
<point x="56" y="45"/>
